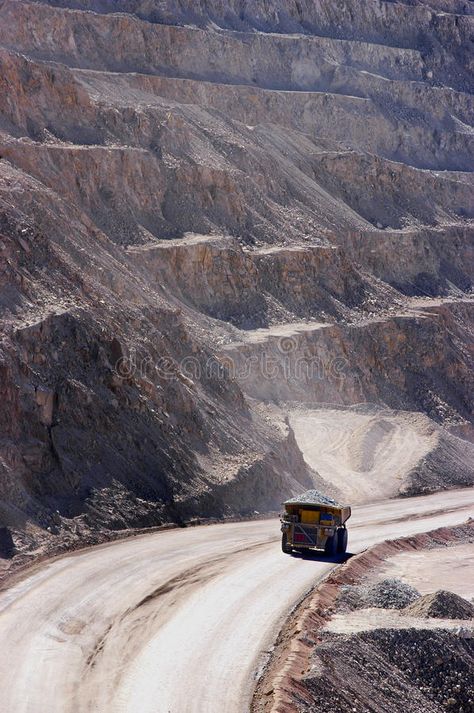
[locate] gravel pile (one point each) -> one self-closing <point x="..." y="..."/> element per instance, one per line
<point x="391" y="671"/>
<point x="387" y="594"/>
<point x="438" y="663"/>
<point x="441" y="605"/>
<point x="314" y="496"/>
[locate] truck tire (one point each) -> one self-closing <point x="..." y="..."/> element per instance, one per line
<point x="330" y="548"/>
<point x="285" y="547"/>
<point x="341" y="541"/>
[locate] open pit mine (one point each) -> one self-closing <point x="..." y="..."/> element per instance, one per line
<point x="236" y="264"/>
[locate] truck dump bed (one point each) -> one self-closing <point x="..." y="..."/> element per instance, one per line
<point x="315" y="508"/>
<point x="314" y="521"/>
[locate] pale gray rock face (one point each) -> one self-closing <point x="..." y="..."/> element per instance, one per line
<point x="175" y="176"/>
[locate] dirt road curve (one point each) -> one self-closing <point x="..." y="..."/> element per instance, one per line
<point x="174" y="622"/>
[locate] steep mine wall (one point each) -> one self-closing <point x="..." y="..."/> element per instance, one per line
<point x="408" y="360"/>
<point x="197" y="201"/>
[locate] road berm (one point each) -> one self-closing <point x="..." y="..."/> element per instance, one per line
<point x="362" y="641"/>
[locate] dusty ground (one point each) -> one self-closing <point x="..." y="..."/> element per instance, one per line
<point x="369" y="453"/>
<point x="140" y="624"/>
<point x="428" y="570"/>
<point x="366" y="455"/>
<point x="360" y="641"/>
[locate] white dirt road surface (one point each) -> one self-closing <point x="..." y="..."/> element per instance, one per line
<point x="174" y="622"/>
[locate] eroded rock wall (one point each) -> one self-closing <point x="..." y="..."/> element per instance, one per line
<point x="191" y="187"/>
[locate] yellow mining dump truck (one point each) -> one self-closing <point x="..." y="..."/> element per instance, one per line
<point x="313" y="521"/>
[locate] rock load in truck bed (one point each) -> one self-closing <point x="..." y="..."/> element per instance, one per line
<point x="313" y="497"/>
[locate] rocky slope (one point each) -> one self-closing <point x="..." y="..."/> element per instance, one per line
<point x="202" y="203"/>
<point x="410" y="653"/>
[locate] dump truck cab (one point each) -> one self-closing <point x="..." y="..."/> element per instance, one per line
<point x="313" y="521"/>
